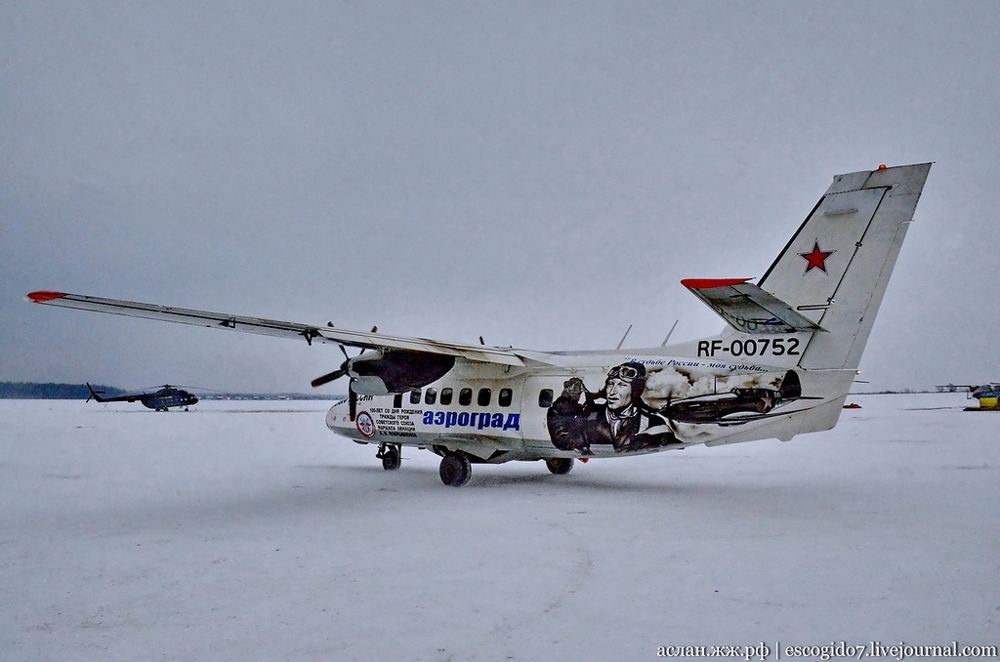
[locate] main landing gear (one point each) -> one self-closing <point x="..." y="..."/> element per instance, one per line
<point x="456" y="467"/>
<point x="559" y="465"/>
<point x="455" y="470"/>
<point x="391" y="456"/>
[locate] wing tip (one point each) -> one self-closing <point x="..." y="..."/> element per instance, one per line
<point x="44" y="296"/>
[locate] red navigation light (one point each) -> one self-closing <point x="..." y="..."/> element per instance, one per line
<point x="881" y="166"/>
<point x="42" y="297"/>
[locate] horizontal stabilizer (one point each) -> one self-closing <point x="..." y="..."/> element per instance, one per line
<point x="748" y="308"/>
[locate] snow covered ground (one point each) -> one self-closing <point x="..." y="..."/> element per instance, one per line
<point x="247" y="531"/>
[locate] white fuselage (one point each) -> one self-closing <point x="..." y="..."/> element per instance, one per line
<point x="499" y="413"/>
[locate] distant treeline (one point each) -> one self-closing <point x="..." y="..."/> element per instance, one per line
<point x="35" y="391"/>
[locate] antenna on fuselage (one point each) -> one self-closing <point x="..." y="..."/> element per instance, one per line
<point x="623" y="337"/>
<point x="669" y="333"/>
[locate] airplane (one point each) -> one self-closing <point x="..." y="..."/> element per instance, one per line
<point x="160" y="400"/>
<point x="986" y="394"/>
<point x="781" y="367"/>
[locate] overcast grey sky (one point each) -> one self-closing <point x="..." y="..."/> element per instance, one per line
<point x="539" y="173"/>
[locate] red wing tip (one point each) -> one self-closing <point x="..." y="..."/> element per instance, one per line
<point x="43" y="296"/>
<point x="707" y="283"/>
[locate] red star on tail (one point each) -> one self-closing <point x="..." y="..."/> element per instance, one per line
<point x="816" y="258"/>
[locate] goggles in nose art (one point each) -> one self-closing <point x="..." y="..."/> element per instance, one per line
<point x="626" y="373"/>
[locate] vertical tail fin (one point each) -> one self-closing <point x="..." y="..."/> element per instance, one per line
<point x="835" y="269"/>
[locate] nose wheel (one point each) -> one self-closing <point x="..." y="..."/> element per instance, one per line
<point x="390" y="454"/>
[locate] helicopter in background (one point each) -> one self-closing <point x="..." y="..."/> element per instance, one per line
<point x="162" y="399"/>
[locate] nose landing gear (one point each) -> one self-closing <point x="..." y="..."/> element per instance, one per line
<point x="391" y="457"/>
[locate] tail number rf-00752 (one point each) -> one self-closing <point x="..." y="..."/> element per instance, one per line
<point x="750" y="347"/>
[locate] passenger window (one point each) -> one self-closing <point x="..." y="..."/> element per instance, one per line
<point x="446" y="396"/>
<point x="483" y="400"/>
<point x="506" y="395"/>
<point x="465" y="397"/>
<point x="397" y="401"/>
<point x="430" y="396"/>
<point x="415" y="396"/>
<point x="545" y="398"/>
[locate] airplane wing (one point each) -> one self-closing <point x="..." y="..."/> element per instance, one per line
<point x="747" y="307"/>
<point x="269" y="327"/>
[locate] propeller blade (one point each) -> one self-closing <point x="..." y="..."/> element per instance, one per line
<point x="329" y="377"/>
<point x="352" y="403"/>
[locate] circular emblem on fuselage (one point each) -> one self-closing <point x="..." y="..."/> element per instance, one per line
<point x="366" y="425"/>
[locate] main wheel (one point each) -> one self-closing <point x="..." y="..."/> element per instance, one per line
<point x="455" y="470"/>
<point x="391" y="457"/>
<point x="559" y="465"/>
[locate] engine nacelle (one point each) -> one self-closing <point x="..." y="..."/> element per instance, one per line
<point x="396" y="371"/>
